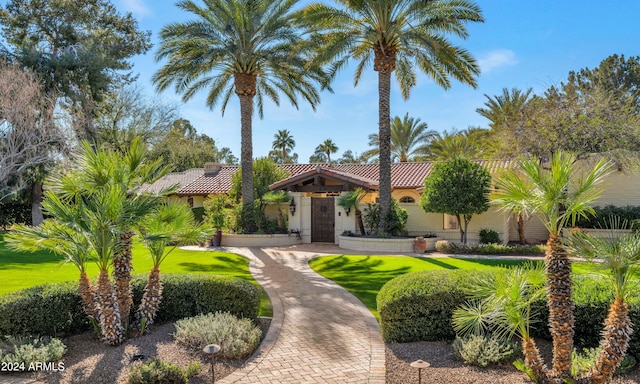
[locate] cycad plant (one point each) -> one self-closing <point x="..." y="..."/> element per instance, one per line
<point x="558" y="196"/>
<point x="170" y="225"/>
<point x="501" y="306"/>
<point x="619" y="256"/>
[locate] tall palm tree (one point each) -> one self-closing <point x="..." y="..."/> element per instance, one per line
<point x="248" y="47"/>
<point x="620" y="257"/>
<point x="410" y="140"/>
<point x="558" y="196"/>
<point x="284" y="142"/>
<point x="327" y="148"/>
<point x="170" y="225"/>
<point x="395" y="36"/>
<point x="455" y="144"/>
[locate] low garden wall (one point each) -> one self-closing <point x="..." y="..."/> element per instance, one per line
<point x="274" y="240"/>
<point x="404" y="245"/>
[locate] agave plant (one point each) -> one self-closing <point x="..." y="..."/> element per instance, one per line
<point x="619" y="256"/>
<point x="170" y="225"/>
<point x="502" y="306"/>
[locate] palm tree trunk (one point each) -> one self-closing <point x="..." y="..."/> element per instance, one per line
<point x="108" y="311"/>
<point x="520" y="222"/>
<point x="87" y="294"/>
<point x="561" y="320"/>
<point x="384" y="132"/>
<point x="533" y="360"/>
<point x="246" y="89"/>
<point x="360" y="222"/>
<point x="122" y="267"/>
<point x="151" y="299"/>
<point x="615" y="341"/>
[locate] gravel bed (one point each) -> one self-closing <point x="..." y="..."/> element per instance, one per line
<point x="89" y="360"/>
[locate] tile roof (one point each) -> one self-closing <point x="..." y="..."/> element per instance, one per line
<point x="180" y="179"/>
<point x="403" y="175"/>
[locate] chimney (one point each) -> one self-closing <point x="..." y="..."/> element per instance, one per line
<point x="211" y="169"/>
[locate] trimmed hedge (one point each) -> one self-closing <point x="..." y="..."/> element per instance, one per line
<point x="630" y="213"/>
<point x="444" y="246"/>
<point x="56" y="309"/>
<point x="418" y="307"/>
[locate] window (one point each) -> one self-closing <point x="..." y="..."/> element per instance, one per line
<point x="190" y="202"/>
<point x="407" y="199"/>
<point x="450" y="222"/>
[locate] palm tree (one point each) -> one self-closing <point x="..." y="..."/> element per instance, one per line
<point x="620" y="256"/>
<point x="502" y="306"/>
<point x="248" y="47"/>
<point x="395" y="36"/>
<point x="170" y="225"/>
<point x="410" y="139"/>
<point x="327" y="148"/>
<point x="283" y="142"/>
<point x="277" y="198"/>
<point x="351" y="199"/>
<point x="558" y="196"/>
<point x="456" y="144"/>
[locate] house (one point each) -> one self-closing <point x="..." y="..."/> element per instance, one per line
<point x="314" y="188"/>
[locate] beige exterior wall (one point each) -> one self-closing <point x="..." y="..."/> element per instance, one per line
<point x="620" y="189"/>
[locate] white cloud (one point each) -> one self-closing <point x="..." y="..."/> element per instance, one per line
<point x="135" y="6"/>
<point x="496" y="59"/>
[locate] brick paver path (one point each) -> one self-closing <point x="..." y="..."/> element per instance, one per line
<point x="320" y="333"/>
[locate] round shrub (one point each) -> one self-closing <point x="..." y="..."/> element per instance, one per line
<point x="160" y="372"/>
<point x="30" y="350"/>
<point x="489" y="236"/>
<point x="237" y="338"/>
<point x="418" y="306"/>
<point x="56" y="309"/>
<point x="483" y="351"/>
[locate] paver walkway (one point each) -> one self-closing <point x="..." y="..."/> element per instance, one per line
<point x="320" y="333"/>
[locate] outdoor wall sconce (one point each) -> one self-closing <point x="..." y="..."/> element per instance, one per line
<point x="292" y="206"/>
<point x="347" y="210"/>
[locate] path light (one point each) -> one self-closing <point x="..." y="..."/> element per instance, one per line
<point x="420" y="365"/>
<point x="292" y="206"/>
<point x="211" y="350"/>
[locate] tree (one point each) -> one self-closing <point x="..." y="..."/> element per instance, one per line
<point x="213" y="52"/>
<point x="327" y="147"/>
<point x="265" y="173"/>
<point x="126" y="113"/>
<point x="468" y="144"/>
<point x="349" y="158"/>
<point x="409" y="140"/>
<point x="557" y="196"/>
<point x="28" y="135"/>
<point x="351" y="200"/>
<point x="458" y="187"/>
<point x="277" y="198"/>
<point x="396" y="36"/>
<point x="284" y="143"/>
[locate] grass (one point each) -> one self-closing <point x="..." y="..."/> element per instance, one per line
<point x="23" y="270"/>
<point x="365" y="275"/>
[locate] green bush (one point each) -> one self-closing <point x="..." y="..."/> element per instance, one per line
<point x="444" y="246"/>
<point x="602" y="216"/>
<point x="237" y="338"/>
<point x="29" y="350"/>
<point x="582" y="362"/>
<point x="15" y="212"/>
<point x="489" y="236"/>
<point x="483" y="351"/>
<point x="396" y="219"/>
<point x="160" y="372"/>
<point x="56" y="309"/>
<point x="418" y="306"/>
<point x="198" y="214"/>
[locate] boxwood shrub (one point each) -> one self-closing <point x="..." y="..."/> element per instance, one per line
<point x="56" y="309"/>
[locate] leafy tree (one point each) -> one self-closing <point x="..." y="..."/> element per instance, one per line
<point x="327" y="147"/>
<point x="395" y="36"/>
<point x="457" y="187"/>
<point x="265" y="173"/>
<point x="557" y="196"/>
<point x="183" y="148"/>
<point x="349" y="158"/>
<point x="213" y="52"/>
<point x="409" y="140"/>
<point x="283" y="143"/>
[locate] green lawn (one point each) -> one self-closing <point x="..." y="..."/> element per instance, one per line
<point x="23" y="270"/>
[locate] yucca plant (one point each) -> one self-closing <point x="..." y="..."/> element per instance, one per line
<point x="501" y="306"/>
<point x="619" y="256"/>
<point x="170" y="225"/>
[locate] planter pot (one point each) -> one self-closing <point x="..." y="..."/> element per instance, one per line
<point x="217" y="239"/>
<point x="420" y="245"/>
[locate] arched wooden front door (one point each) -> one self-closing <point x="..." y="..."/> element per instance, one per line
<point x="322" y="219"/>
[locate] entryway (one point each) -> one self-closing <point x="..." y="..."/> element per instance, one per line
<point x="322" y="219"/>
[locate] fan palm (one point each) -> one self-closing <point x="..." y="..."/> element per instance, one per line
<point x="558" y="196"/>
<point x="277" y="198"/>
<point x="351" y="199"/>
<point x="409" y="140"/>
<point x="170" y="225"/>
<point x="620" y="257"/>
<point x="284" y="142"/>
<point x="248" y="47"/>
<point x="327" y="148"/>
<point x="502" y="305"/>
<point x="395" y="36"/>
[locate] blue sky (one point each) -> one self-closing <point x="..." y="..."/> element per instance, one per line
<point x="521" y="44"/>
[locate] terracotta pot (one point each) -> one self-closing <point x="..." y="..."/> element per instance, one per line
<point x="419" y="245"/>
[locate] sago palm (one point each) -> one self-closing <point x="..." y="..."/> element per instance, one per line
<point x="558" y="196"/>
<point x="410" y="140"/>
<point x="395" y="35"/>
<point x="619" y="256"/>
<point x="503" y="306"/>
<point x="248" y="47"/>
<point x="170" y="225"/>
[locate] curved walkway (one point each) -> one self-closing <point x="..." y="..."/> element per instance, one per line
<point x="320" y="333"/>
